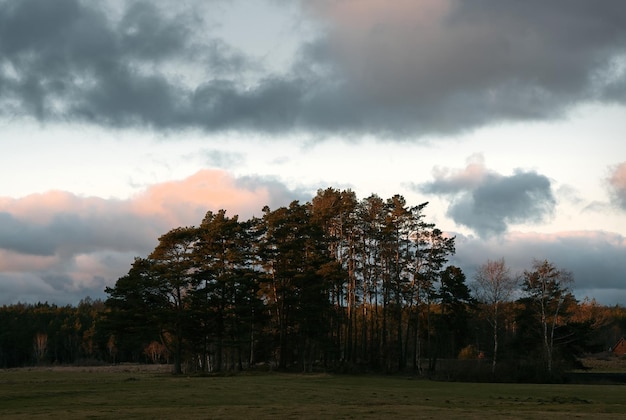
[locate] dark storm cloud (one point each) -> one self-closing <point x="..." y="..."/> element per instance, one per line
<point x="448" y="65"/>
<point x="70" y="60"/>
<point x="399" y="69"/>
<point x="488" y="202"/>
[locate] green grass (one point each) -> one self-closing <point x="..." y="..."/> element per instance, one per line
<point x="131" y="393"/>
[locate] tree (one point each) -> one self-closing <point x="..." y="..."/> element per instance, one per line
<point x="155" y="293"/>
<point x="334" y="212"/>
<point x="370" y="220"/>
<point x="294" y="256"/>
<point x="172" y="268"/>
<point x="133" y="312"/>
<point x="548" y="288"/>
<point x="396" y="254"/>
<point x="454" y="299"/>
<point x="494" y="286"/>
<point x="434" y="256"/>
<point x="224" y="298"/>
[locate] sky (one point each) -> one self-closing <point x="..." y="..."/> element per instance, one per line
<point x="120" y="120"/>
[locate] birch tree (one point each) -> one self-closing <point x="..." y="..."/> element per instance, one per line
<point x="494" y="286"/>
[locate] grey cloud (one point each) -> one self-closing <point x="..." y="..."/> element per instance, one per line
<point x="221" y="159"/>
<point x="20" y="236"/>
<point x="595" y="258"/>
<point x="70" y="60"/>
<point x="60" y="289"/>
<point x="73" y="233"/>
<point x="489" y="203"/>
<point x="280" y="195"/>
<point x="481" y="62"/>
<point x="148" y="34"/>
<point x="23" y="288"/>
<point x="223" y="105"/>
<point x="57" y="281"/>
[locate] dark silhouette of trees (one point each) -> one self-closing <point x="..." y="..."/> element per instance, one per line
<point x="224" y="292"/>
<point x="455" y="305"/>
<point x="171" y="268"/>
<point x="337" y="284"/>
<point x="44" y="334"/>
<point x="295" y="261"/>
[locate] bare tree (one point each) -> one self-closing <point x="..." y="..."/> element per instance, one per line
<point x="493" y="286"/>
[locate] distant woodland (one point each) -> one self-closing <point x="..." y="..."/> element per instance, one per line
<point x="337" y="284"/>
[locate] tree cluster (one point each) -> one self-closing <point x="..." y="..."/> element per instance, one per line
<point x="44" y="334"/>
<point x="337" y="284"/>
<point x="334" y="282"/>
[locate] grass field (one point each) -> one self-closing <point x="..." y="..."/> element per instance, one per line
<point x="132" y="392"/>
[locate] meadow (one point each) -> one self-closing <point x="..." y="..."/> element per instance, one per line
<point x="152" y="392"/>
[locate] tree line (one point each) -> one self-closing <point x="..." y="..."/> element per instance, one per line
<point x="338" y="284"/>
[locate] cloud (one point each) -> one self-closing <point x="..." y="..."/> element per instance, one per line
<point x="617" y="185"/>
<point x="450" y="64"/>
<point x="77" y="61"/>
<point x="60" y="222"/>
<point x="222" y="159"/>
<point x="594" y="257"/>
<point x="62" y="247"/>
<point x="488" y="202"/>
<point x="399" y="69"/>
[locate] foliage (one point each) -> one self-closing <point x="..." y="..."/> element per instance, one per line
<point x="337" y="284"/>
<point x="547" y="297"/>
<point x="494" y="286"/>
<point x="44" y="334"/>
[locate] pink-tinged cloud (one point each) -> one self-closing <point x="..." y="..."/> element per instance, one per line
<point x="363" y="15"/>
<point x="11" y="261"/>
<point x="61" y="222"/>
<point x="185" y="202"/>
<point x="617" y="185"/>
<point x="459" y="179"/>
<point x="57" y="246"/>
<point x="42" y="208"/>
<point x="390" y="50"/>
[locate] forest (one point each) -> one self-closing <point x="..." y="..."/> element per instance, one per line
<point x="336" y="284"/>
